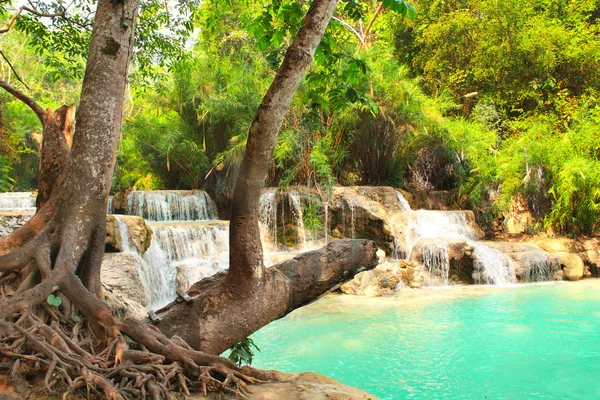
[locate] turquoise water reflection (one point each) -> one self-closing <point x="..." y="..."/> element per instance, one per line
<point x="534" y="342"/>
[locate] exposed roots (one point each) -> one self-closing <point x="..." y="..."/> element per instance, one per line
<point x="81" y="346"/>
<point x="58" y="354"/>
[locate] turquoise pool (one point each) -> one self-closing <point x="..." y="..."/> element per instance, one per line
<point x="531" y="342"/>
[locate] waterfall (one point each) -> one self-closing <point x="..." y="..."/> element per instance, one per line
<point x="352" y="208"/>
<point x="299" y="216"/>
<point x="493" y="267"/>
<point x="109" y="206"/>
<point x="193" y="250"/>
<point x="540" y="267"/>
<point x="437" y="263"/>
<point x="17" y="200"/>
<point x="403" y="202"/>
<point x="163" y="205"/>
<point x="267" y="217"/>
<point x="156" y="278"/>
<point x="326" y="225"/>
<point x="424" y="224"/>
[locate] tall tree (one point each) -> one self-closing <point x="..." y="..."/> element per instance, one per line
<point x="62" y="259"/>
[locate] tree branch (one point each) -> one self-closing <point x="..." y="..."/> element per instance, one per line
<point x="351" y="29"/>
<point x="11" y="21"/>
<point x="37" y="109"/>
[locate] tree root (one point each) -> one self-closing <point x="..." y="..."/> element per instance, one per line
<point x="100" y="354"/>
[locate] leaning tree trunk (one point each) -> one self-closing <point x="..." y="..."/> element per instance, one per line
<point x="64" y="257"/>
<point x="250" y="296"/>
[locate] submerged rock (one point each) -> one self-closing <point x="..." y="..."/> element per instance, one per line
<point x="376" y="282"/>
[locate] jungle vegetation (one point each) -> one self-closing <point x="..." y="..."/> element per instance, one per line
<point x="497" y="102"/>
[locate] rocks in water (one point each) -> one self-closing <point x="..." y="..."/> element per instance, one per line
<point x="121" y="271"/>
<point x="531" y="263"/>
<point x="138" y="232"/>
<point x="385" y="279"/>
<point x="376" y="282"/>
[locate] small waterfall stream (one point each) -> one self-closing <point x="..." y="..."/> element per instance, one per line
<point x="432" y="230"/>
<point x="154" y="273"/>
<point x="17" y="200"/>
<point x="166" y="205"/>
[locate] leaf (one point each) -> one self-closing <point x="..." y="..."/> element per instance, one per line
<point x="53" y="300"/>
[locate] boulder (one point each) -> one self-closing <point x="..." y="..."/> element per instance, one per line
<point x="352" y="215"/>
<point x="140" y="234"/>
<point x="384" y="195"/>
<point x="123" y="308"/>
<point x="572" y="266"/>
<point x="121" y="271"/>
<point x="302" y="386"/>
<point x="376" y="282"/>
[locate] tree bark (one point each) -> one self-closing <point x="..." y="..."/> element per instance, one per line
<point x="57" y="139"/>
<point x="215" y="319"/>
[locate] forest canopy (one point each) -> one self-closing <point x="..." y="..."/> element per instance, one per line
<point x="494" y="101"/>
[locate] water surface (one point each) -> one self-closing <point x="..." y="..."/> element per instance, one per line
<point x="522" y="342"/>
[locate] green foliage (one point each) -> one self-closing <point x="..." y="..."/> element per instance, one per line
<point x="242" y="353"/>
<point x="54" y="300"/>
<point x="311" y="213"/>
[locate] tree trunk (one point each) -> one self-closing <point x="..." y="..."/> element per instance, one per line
<point x="215" y="319"/>
<point x="57" y="139"/>
<point x="245" y="247"/>
<point x="65" y="256"/>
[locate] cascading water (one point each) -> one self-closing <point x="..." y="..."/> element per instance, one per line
<point x="193" y="250"/>
<point x="156" y="278"/>
<point x="17" y="200"/>
<point x="436" y="227"/>
<point x="492" y="267"/>
<point x="299" y="216"/>
<point x="541" y="267"/>
<point x="166" y="205"/>
<point x="352" y="208"/>
<point x="437" y="263"/>
<point x="404" y="206"/>
<point x="267" y="217"/>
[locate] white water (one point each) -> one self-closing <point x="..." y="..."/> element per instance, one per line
<point x="193" y="250"/>
<point x="156" y="279"/>
<point x="493" y="267"/>
<point x="164" y="205"/>
<point x="436" y="263"/>
<point x="403" y="202"/>
<point x="267" y="218"/>
<point x="299" y="216"/>
<point x="423" y="224"/>
<point x="17" y="200"/>
<point x="541" y="269"/>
